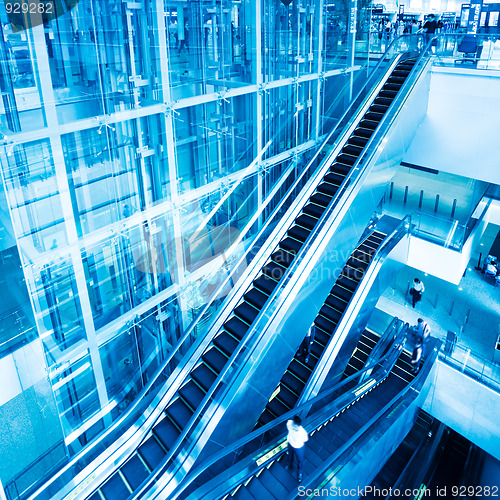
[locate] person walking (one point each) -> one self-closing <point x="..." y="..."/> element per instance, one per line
<point x="415" y="358"/>
<point x="422" y="334"/>
<point x="306" y="346"/>
<point x="429" y="29"/>
<point x="296" y="438"/>
<point x="416" y="291"/>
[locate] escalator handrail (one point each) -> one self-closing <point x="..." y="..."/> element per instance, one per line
<point x="398" y="342"/>
<point x="418" y="380"/>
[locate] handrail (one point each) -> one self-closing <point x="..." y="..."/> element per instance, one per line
<point x="302" y="408"/>
<point x="329" y="463"/>
<point x="271" y="243"/>
<point x="243" y="352"/>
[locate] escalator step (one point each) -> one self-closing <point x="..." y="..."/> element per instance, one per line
<point x="362" y="256"/>
<point x="282" y="476"/>
<point x="166" y="432"/>
<point x="322" y="337"/>
<point x="288" y="397"/>
<point x="246" y="312"/>
<point x="313" y="210"/>
<point x="376" y="117"/>
<point x="391" y="87"/>
<point x="316" y="350"/>
<point x="383" y="102"/>
<point x="334" y="179"/>
<point x="254" y="297"/>
<point x="320" y="199"/>
<point x="402" y="73"/>
<point x="327" y="188"/>
<point x="348" y="159"/>
<point x="378" y="108"/>
<point x="371" y="335"/>
<point x="273" y="270"/>
<point x="396" y="80"/>
<point x="294" y="383"/>
<point x="364" y="133"/>
<point x="265" y="284"/>
<point x="356" y="363"/>
<point x="242" y="494"/>
<point x="331" y="314"/>
<point x="258" y="490"/>
<point x="347" y="283"/>
<point x="203" y="376"/>
<point x="291" y="245"/>
<point x="388" y="94"/>
<point x="151" y="452"/>
<point x="282" y="258"/>
<point x="325" y="324"/>
<point x="192" y="394"/>
<point x="351" y="149"/>
<point x="336" y="303"/>
<point x="306" y="221"/>
<point x="226" y="343"/>
<point x="277" y="407"/>
<point x="298" y="233"/>
<point x="214" y="359"/>
<point x="354" y="274"/>
<point x="299" y="370"/>
<point x="341" y="292"/>
<point x="368" y="124"/>
<point x="266" y="417"/>
<point x="179" y="413"/>
<point x="340" y="169"/>
<point x="357" y="264"/>
<point x="273" y="486"/>
<point x="235" y="326"/>
<point x="370" y="250"/>
<point x="358" y="141"/>
<point x="115" y="488"/>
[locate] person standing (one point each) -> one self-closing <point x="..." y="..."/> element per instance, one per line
<point x="422" y="333"/>
<point x="306" y="346"/>
<point x="429" y="29"/>
<point x="296" y="438"/>
<point x="416" y="291"/>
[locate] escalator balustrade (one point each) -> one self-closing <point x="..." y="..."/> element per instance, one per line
<point x="298" y="372"/>
<point x="182" y="407"/>
<point x="272" y="480"/>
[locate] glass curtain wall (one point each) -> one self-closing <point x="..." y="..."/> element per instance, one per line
<point x="138" y="141"/>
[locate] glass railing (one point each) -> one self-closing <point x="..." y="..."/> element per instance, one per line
<point x="466" y="50"/>
<point x="269" y="441"/>
<point x="449" y="233"/>
<point x="464" y="360"/>
<point x="145" y="409"/>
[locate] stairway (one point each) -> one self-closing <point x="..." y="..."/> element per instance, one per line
<point x="289" y="389"/>
<point x="180" y="410"/>
<point x="358" y="359"/>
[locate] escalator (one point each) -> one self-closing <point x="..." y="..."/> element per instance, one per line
<point x="263" y="474"/>
<point x="358" y="359"/>
<point x="200" y="381"/>
<point x="298" y="372"/>
<point x="403" y="457"/>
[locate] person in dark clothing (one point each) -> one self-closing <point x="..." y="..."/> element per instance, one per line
<point x="306" y="346"/>
<point x="429" y="28"/>
<point x="416" y="291"/>
<point x="416" y="357"/>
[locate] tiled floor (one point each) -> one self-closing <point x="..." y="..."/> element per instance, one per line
<point x="446" y="307"/>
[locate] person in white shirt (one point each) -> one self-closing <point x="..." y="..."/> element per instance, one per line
<point x="416" y="291"/>
<point x="297" y="436"/>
